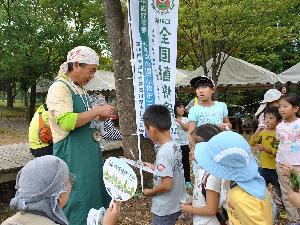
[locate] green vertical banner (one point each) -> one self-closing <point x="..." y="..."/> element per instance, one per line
<point x="154" y="42"/>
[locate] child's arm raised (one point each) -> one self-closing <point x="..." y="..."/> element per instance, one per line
<point x="164" y="186"/>
<point x="211" y="208"/>
<point x="185" y="126"/>
<point x="226" y="125"/>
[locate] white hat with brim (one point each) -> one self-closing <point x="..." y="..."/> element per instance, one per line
<point x="228" y="156"/>
<point x="270" y="96"/>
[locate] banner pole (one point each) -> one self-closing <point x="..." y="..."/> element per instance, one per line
<point x="133" y="72"/>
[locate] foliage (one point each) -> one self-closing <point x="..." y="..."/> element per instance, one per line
<point x="37" y="35"/>
<point x="207" y="28"/>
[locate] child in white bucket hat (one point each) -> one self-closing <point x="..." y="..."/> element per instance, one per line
<point x="228" y="156"/>
<point x="271" y="98"/>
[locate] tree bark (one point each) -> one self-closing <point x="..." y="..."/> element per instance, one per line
<point x="10" y="94"/>
<point x="118" y="33"/>
<point x="25" y="99"/>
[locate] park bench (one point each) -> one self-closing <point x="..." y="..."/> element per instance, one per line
<point x="13" y="157"/>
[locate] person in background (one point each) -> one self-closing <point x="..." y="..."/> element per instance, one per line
<point x="288" y="133"/>
<point x="42" y="193"/>
<point x="283" y="90"/>
<point x="70" y="116"/>
<point x="168" y="179"/>
<point x="227" y="156"/>
<point x="193" y="102"/>
<point x="182" y="140"/>
<point x="39" y="147"/>
<point x="207" y="110"/>
<point x="265" y="144"/>
<point x="271" y="98"/>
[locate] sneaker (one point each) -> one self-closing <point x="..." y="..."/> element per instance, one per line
<point x="188" y="185"/>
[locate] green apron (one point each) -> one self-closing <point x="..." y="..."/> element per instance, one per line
<point x="84" y="159"/>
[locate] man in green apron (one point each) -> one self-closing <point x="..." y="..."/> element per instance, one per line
<point x="70" y="114"/>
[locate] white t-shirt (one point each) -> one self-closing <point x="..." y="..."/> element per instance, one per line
<point x="289" y="146"/>
<point x="213" y="184"/>
<point x="182" y="138"/>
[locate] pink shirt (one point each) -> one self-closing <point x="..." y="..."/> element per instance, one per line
<point x="289" y="147"/>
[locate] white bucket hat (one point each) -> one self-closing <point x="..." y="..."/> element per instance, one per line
<point x="270" y="96"/>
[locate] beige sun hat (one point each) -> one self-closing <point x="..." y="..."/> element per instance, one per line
<point x="270" y="96"/>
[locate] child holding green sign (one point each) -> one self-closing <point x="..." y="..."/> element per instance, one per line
<point x="168" y="175"/>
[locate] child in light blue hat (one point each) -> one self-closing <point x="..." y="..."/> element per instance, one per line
<point x="228" y="156"/>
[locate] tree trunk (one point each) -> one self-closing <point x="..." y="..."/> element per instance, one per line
<point x="118" y="33"/>
<point x="25" y="98"/>
<point x="9" y="97"/>
<point x="32" y="102"/>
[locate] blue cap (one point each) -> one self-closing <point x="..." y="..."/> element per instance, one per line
<point x="228" y="156"/>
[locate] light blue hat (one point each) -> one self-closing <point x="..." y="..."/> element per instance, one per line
<point x="228" y="156"/>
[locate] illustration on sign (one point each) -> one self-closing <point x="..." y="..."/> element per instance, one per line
<point x="119" y="179"/>
<point x="163" y="6"/>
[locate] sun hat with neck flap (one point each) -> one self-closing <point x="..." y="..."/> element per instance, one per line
<point x="39" y="185"/>
<point x="80" y="54"/>
<point x="228" y="156"/>
<point x="270" y="96"/>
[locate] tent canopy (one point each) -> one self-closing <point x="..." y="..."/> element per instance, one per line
<point x="102" y="80"/>
<point x="292" y="74"/>
<point x="235" y="72"/>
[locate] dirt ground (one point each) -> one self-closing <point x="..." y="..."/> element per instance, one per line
<point x="134" y="212"/>
<point x="13" y="130"/>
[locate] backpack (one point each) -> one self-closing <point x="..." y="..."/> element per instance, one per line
<point x="222" y="214"/>
<point x="45" y="134"/>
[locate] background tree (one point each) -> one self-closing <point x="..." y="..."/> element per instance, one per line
<point x="207" y="28"/>
<point x="118" y="33"/>
<point x="37" y="39"/>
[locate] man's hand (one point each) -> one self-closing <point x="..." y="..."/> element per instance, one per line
<point x="104" y="111"/>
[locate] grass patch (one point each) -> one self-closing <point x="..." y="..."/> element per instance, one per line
<point x="18" y="111"/>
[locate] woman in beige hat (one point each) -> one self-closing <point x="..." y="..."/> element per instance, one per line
<point x="70" y="116"/>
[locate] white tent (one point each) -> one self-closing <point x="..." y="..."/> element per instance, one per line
<point x="181" y="74"/>
<point x="103" y="80"/>
<point x="42" y="85"/>
<point x="292" y="74"/>
<point x="236" y="72"/>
